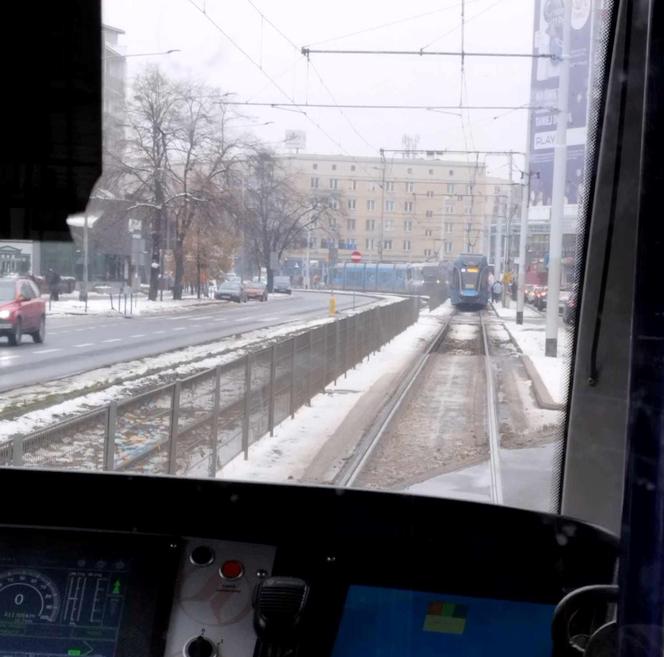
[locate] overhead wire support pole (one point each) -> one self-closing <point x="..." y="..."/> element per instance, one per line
<point x="523" y="233"/>
<point x="558" y="192"/>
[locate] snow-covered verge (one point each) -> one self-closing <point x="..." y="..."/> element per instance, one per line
<point x="63" y="399"/>
<point x="295" y="452"/>
<point x="104" y="305"/>
<point x="530" y="336"/>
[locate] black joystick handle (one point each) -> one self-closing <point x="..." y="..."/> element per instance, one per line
<point x="278" y="606"/>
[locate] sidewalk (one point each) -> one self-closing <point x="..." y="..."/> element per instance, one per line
<point x="549" y="376"/>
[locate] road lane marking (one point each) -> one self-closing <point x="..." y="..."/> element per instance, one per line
<point x="8" y="357"/>
<point x="46" y="351"/>
<point x="156" y="332"/>
<point x="83" y="344"/>
<point x="180" y="328"/>
<point x="113" y="340"/>
<point x="137" y="335"/>
<point x="198" y="318"/>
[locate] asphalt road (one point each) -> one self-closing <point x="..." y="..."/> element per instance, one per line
<point x="79" y="343"/>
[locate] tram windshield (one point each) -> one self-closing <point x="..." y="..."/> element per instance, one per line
<point x="270" y="249"/>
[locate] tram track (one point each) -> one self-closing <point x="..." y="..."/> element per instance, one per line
<point x="464" y="422"/>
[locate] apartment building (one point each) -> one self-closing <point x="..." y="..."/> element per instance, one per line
<point x="396" y="210"/>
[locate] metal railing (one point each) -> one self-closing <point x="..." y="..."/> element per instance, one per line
<point x="197" y="425"/>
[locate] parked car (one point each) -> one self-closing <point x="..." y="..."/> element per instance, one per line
<point x="282" y="284"/>
<point x="232" y="289"/>
<point x="22" y="310"/>
<point x="256" y="290"/>
<point x="569" y="310"/>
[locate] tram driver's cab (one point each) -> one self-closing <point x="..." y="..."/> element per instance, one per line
<point x="127" y="565"/>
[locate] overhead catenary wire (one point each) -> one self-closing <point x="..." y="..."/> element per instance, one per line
<point x="276" y="85"/>
<point x="454" y="29"/>
<point x="398" y="21"/>
<point x="430" y="108"/>
<point x="281" y="33"/>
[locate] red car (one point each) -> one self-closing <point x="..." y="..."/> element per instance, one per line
<point x="22" y="310"/>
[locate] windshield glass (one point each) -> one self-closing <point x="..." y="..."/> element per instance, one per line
<point x="311" y="146"/>
<point x="7" y="290"/>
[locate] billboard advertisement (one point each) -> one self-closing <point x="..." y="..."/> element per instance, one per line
<point x="544" y="116"/>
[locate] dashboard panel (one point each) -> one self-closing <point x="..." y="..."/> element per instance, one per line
<point x="114" y="565"/>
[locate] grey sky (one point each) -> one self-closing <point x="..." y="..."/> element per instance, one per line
<point x="492" y="25"/>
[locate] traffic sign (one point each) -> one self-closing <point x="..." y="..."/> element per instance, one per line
<point x="356" y="256"/>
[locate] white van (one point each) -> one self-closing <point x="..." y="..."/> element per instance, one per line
<point x="282" y="284"/>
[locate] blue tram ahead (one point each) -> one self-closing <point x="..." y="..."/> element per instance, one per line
<point x="425" y="279"/>
<point x="469" y="281"/>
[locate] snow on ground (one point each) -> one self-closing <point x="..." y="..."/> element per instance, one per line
<point x="530" y="336"/>
<point x="463" y="332"/>
<point x="288" y="454"/>
<point x="123" y="380"/>
<point x="100" y="304"/>
<point x="528" y="479"/>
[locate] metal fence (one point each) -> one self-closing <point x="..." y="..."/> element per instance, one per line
<point x="197" y="425"/>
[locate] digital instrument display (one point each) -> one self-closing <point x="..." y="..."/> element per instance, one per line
<point x="62" y="599"/>
<point x="400" y="623"/>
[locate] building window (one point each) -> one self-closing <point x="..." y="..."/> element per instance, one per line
<point x="431" y="172"/>
<point x="410" y="186"/>
<point x="368" y="244"/>
<point x="389" y="206"/>
<point x="407" y="226"/>
<point x="448" y="226"/>
<point x="406" y="245"/>
<point x="429" y="213"/>
<point x="459" y="197"/>
<point x="333" y="183"/>
<point x="353" y="184"/>
<point x="352" y="203"/>
<point x="387" y="245"/>
<point x="467" y="210"/>
<point x="332" y="221"/>
<point x="350" y="224"/>
<point x="334" y="204"/>
<point x="469" y="189"/>
<point x="314" y="183"/>
<point x="370" y="224"/>
<point x="389" y="224"/>
<point x="427" y="232"/>
<point x="427" y="253"/>
<point x="449" y="209"/>
<point x="497" y="189"/>
<point x="334" y="167"/>
<point x="371" y="204"/>
<point x="451" y="172"/>
<point x="352" y="167"/>
<point x="469" y="227"/>
<point x="314" y="166"/>
<point x="450" y="188"/>
<point x="389" y="186"/>
<point x="408" y="206"/>
<point x="430" y="194"/>
<point x="448" y="247"/>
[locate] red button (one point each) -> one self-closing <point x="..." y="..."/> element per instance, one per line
<point x="232" y="569"/>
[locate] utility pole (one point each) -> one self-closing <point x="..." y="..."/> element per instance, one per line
<point x="523" y="234"/>
<point x="558" y="193"/>
<point x="83" y="295"/>
<point x="382" y="209"/>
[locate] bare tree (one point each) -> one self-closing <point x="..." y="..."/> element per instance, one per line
<point x="145" y="167"/>
<point x="272" y="214"/>
<point x="204" y="157"/>
<point x="175" y="164"/>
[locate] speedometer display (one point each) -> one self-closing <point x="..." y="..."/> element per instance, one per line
<point x="27" y="596"/>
